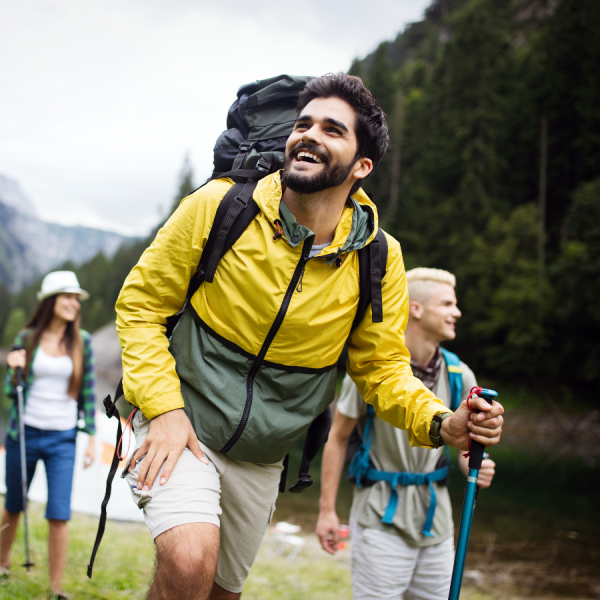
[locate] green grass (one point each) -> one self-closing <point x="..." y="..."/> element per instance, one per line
<point x="122" y="570"/>
<point x="124" y="566"/>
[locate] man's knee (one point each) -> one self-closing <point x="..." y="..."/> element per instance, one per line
<point x="188" y="553"/>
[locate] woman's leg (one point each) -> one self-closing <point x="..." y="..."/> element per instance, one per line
<point x="58" y="540"/>
<point x="7" y="537"/>
<point x="59" y="458"/>
<point x="13" y="501"/>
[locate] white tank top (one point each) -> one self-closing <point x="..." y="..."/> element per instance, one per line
<point x="48" y="405"/>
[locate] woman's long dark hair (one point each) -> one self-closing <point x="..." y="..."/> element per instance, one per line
<point x="39" y="321"/>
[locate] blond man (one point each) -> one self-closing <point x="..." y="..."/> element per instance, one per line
<point x="402" y="542"/>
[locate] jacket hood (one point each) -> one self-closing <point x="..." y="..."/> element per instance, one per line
<point x="356" y="228"/>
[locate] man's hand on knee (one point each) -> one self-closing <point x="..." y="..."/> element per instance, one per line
<point x="168" y="435"/>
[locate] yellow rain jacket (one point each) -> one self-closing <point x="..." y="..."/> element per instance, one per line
<point x="253" y="359"/>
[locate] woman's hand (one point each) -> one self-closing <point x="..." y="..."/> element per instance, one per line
<point x="16" y="359"/>
<point x="90" y="453"/>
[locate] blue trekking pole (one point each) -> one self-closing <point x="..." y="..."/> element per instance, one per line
<point x="475" y="459"/>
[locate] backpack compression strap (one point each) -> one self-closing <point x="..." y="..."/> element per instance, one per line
<point x="372" y="262"/>
<point x="316" y="436"/>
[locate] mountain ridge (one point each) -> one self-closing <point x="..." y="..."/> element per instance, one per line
<point x="30" y="247"/>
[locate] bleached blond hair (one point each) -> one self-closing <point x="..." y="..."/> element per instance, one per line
<point x="420" y="280"/>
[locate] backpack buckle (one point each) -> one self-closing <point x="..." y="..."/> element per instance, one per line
<point x="246" y="146"/>
<point x="304" y="481"/>
<point x="263" y="165"/>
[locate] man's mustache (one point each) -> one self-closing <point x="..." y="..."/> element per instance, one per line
<point x="322" y="154"/>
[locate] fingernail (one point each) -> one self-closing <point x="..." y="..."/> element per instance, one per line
<point x="139" y="485"/>
<point x="145" y="489"/>
<point x="163" y="481"/>
<point x="204" y="460"/>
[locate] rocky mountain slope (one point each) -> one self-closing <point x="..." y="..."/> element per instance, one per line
<point x="30" y="247"/>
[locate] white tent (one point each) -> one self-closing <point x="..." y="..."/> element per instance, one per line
<point x="89" y="485"/>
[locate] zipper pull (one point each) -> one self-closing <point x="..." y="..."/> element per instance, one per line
<point x="299" y="286"/>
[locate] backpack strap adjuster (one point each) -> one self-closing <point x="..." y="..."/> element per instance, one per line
<point x="240" y="158"/>
<point x="246" y="146"/>
<point x="263" y="165"/>
<point x="304" y="481"/>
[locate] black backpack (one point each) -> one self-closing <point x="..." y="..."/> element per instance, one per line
<point x="253" y="146"/>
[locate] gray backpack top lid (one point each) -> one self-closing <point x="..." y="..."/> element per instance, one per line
<point x="260" y="120"/>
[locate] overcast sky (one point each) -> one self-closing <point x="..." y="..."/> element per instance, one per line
<point x="101" y="99"/>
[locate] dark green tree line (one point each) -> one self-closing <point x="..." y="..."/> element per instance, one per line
<point x="476" y="78"/>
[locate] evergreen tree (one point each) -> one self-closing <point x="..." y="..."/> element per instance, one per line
<point x="186" y="182"/>
<point x="16" y="320"/>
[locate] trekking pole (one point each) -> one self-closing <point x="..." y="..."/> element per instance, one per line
<point x="475" y="459"/>
<point x="19" y="374"/>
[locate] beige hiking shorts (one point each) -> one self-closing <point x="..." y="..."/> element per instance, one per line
<point x="237" y="496"/>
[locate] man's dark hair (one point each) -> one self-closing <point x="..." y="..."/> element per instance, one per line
<point x="371" y="126"/>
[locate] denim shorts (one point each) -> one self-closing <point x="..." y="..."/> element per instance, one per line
<point x="57" y="450"/>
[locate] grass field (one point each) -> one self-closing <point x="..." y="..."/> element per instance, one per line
<point x="124" y="566"/>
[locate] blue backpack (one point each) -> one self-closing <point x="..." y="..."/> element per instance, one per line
<point x="361" y="467"/>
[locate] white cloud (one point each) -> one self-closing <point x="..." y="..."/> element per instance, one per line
<point x="101" y="99"/>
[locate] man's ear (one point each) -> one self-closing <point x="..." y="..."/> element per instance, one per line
<point x="362" y="168"/>
<point x="416" y="310"/>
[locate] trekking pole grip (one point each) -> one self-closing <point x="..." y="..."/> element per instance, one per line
<point x="477" y="449"/>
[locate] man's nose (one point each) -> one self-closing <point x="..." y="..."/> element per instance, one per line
<point x="457" y="312"/>
<point x="311" y="135"/>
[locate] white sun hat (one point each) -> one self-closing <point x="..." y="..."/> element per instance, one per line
<point x="61" y="282"/>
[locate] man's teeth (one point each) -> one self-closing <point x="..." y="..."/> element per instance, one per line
<point x="308" y="155"/>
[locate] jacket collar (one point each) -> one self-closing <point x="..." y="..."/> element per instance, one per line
<point x="356" y="228"/>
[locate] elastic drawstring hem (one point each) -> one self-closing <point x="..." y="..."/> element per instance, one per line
<point x="279" y="232"/>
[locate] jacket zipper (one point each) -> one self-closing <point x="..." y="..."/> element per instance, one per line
<point x="298" y="272"/>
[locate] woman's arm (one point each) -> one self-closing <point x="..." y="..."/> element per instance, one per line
<point x="87" y="395"/>
<point x="90" y="452"/>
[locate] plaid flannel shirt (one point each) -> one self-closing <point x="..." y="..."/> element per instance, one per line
<point x="86" y="402"/>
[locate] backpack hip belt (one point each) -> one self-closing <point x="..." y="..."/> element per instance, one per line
<point x="362" y="470"/>
<point x="405" y="478"/>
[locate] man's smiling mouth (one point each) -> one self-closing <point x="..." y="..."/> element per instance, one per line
<point x="308" y="157"/>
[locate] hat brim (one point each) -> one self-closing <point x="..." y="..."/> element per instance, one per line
<point x="83" y="295"/>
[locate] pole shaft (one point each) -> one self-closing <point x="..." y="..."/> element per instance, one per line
<point x="464" y="533"/>
<point x="23" y="455"/>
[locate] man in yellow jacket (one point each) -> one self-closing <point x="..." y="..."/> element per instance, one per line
<point x="252" y="362"/>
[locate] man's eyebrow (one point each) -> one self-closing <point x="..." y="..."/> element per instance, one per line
<point x="329" y="120"/>
<point x="336" y="123"/>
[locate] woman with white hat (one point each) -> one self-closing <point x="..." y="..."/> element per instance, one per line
<point x="58" y="367"/>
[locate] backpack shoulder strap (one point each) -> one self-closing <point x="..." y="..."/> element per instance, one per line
<point x="454" y="377"/>
<point x="236" y="211"/>
<point x="372" y="263"/>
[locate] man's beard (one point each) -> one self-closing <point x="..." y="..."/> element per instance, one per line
<point x="328" y="177"/>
